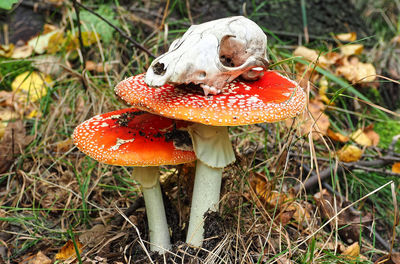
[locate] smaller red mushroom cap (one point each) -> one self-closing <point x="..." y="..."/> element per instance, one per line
<point x="131" y="137"/>
<point x="271" y="98"/>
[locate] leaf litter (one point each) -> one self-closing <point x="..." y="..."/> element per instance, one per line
<point x="58" y="187"/>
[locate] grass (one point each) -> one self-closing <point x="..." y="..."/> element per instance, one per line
<point x="52" y="194"/>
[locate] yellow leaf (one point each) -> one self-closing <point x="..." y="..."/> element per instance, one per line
<point x="352" y="251"/>
<point x="89" y="38"/>
<point x="312" y="55"/>
<point x="323" y="87"/>
<point x="349" y="153"/>
<point x="351" y="36"/>
<point x="68" y="250"/>
<point x="22" y="52"/>
<point x="396" y="167"/>
<point x="361" y="138"/>
<point x="6" y="50"/>
<point x="56" y="42"/>
<point x="40" y="43"/>
<point x="337" y="136"/>
<point x="31" y="85"/>
<point x="351" y="49"/>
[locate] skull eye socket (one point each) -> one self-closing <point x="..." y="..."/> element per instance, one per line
<point x="232" y="52"/>
<point x="159" y="69"/>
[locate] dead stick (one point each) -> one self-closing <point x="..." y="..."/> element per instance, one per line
<point x="83" y="50"/>
<point x="134" y="42"/>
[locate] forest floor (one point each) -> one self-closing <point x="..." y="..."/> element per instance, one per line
<point x="321" y="188"/>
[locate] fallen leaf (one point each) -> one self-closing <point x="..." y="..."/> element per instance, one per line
<point x="351" y="49"/>
<point x="349" y="153"/>
<point x="312" y="55"/>
<point x="98" y="67"/>
<point x="349" y="222"/>
<point x="314" y="120"/>
<point x="351" y="36"/>
<point x="6" y="50"/>
<point x="31" y="85"/>
<point x="356" y="71"/>
<point x="94" y="236"/>
<point x="352" y="251"/>
<point x="365" y="137"/>
<point x="372" y="135"/>
<point x="68" y="250"/>
<point x="13" y="144"/>
<point x="22" y="52"/>
<point x="56" y="42"/>
<point x="64" y="146"/>
<point x="396" y="167"/>
<point x="48" y="64"/>
<point x="6" y="115"/>
<point x="323" y="88"/>
<point x="336" y="136"/>
<point x="285" y="204"/>
<point x="40" y="43"/>
<point x="39" y="258"/>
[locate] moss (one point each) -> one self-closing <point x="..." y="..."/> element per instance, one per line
<point x="387" y="130"/>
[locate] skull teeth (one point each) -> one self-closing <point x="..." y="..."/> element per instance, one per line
<point x="257" y="69"/>
<point x="209" y="89"/>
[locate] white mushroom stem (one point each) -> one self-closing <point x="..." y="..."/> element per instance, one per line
<point x="148" y="177"/>
<point x="214" y="151"/>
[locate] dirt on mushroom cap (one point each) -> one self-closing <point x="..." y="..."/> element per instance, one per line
<point x="131" y="137"/>
<point x="271" y="98"/>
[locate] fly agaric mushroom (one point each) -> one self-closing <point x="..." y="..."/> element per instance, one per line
<point x="272" y="98"/>
<point x="131" y="137"/>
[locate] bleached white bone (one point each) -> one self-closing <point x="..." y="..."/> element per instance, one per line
<point x="212" y="54"/>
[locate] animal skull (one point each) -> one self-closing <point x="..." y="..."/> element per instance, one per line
<point x="212" y="54"/>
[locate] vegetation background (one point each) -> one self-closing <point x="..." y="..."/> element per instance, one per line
<point x="322" y="188"/>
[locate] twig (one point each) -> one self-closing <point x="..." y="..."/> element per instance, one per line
<point x="134" y="42"/>
<point x="78" y="19"/>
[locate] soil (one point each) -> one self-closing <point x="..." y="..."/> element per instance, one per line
<point x="180" y="251"/>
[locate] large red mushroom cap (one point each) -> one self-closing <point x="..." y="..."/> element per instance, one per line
<point x="131" y="137"/>
<point x="271" y="98"/>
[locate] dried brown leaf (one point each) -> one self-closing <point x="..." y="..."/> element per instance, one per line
<point x="39" y="258"/>
<point x="352" y="251"/>
<point x="94" y="236"/>
<point x="318" y="123"/>
<point x="348" y="221"/>
<point x="356" y="71"/>
<point x="336" y="136"/>
<point x="13" y="143"/>
<point x="396" y="167"/>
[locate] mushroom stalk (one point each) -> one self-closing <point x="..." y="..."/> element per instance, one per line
<point x="148" y="177"/>
<point x="214" y="151"/>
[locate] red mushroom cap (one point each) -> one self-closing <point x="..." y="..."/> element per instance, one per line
<point x="271" y="98"/>
<point x="131" y="137"/>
